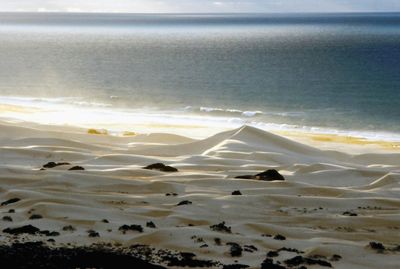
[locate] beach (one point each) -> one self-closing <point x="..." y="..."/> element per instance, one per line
<point x="335" y="208"/>
<point x="220" y="140"/>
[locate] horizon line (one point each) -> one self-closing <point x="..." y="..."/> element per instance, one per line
<point x="198" y="13"/>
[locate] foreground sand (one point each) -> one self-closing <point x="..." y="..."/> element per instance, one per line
<point x="332" y="203"/>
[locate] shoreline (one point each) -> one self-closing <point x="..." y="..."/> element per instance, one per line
<point x="190" y="124"/>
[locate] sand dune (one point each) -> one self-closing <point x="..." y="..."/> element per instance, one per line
<point x="331" y="203"/>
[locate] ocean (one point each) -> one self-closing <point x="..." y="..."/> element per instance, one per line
<point x="324" y="73"/>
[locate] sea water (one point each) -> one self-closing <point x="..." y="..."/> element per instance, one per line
<point x="330" y="73"/>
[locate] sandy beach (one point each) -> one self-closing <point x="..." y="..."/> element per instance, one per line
<point x="336" y="208"/>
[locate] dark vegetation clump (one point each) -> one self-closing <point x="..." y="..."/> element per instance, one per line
<point x="377" y="246"/>
<point x="92" y="233"/>
<point x="134" y="227"/>
<point x="35" y="216"/>
<point x="69" y="228"/>
<point x="38" y="255"/>
<point x="235" y="250"/>
<point x="299" y="260"/>
<point x="221" y="227"/>
<point x="279" y="237"/>
<point x="7" y="218"/>
<point x="151" y="224"/>
<point x="29" y="229"/>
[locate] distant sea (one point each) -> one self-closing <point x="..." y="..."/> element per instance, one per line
<point x="330" y="73"/>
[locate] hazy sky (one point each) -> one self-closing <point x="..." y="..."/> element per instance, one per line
<point x="201" y="5"/>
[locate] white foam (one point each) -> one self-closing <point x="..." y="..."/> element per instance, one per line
<point x="79" y="112"/>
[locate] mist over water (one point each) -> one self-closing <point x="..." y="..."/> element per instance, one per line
<point x="330" y="72"/>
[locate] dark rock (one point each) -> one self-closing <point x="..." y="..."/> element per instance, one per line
<point x="279" y="237"/>
<point x="171" y="194"/>
<point x="266" y="235"/>
<point x="105" y="221"/>
<point x="124" y="228"/>
<point x="376" y="245"/>
<point x="269" y="264"/>
<point x="250" y="248"/>
<point x="10" y="201"/>
<point x="92" y="233"/>
<point x="7" y="218"/>
<point x="236" y="193"/>
<point x="11" y="211"/>
<point x="50" y="165"/>
<point x="299" y="260"/>
<point x="48" y="233"/>
<point x="221" y="227"/>
<point x="272" y="254"/>
<point x="151" y="224"/>
<point x="63" y="163"/>
<point x="35" y="216"/>
<point x="68" y="228"/>
<point x="162" y="167"/>
<point x="336" y="257"/>
<point x="217" y="241"/>
<point x="290" y="250"/>
<point x="235" y="250"/>
<point x="27" y="229"/>
<point x="295" y="261"/>
<point x="235" y="266"/>
<point x="185" y="259"/>
<point x="53" y="164"/>
<point x="184" y="202"/>
<point x="246" y="177"/>
<point x="51" y="240"/>
<point x="348" y="213"/>
<point x="269" y="175"/>
<point x="76" y="168"/>
<point x="169" y="169"/>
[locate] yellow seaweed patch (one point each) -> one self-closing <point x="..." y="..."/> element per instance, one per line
<point x="98" y="132"/>
<point x="19" y="109"/>
<point x="127" y="133"/>
<point x="354" y="140"/>
<point x="334" y="138"/>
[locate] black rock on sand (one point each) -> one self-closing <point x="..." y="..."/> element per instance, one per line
<point x="268" y="175"/>
<point x="162" y="167"/>
<point x="10" y="201"/>
<point x="53" y="164"/>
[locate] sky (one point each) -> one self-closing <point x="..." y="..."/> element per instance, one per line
<point x="200" y="6"/>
